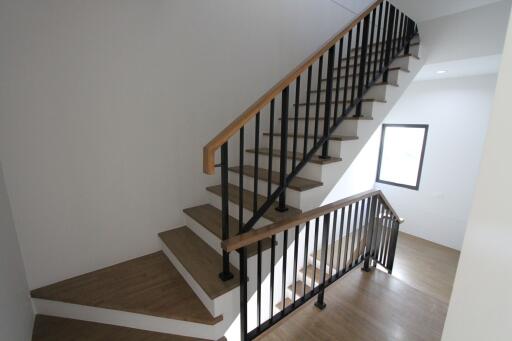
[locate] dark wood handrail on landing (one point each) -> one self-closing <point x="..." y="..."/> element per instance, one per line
<point x="211" y="148"/>
<point x="256" y="235"/>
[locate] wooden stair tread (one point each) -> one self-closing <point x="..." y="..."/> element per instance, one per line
<point x="364" y="100"/>
<point x="316" y="159"/>
<point x="297" y="183"/>
<point x="201" y="261"/>
<point x="288" y="301"/>
<point x="49" y="328"/>
<point x="211" y="218"/>
<point x="271" y="214"/>
<point x="300" y="288"/>
<point x="318" y="273"/>
<point x="332" y="138"/>
<point x="148" y="285"/>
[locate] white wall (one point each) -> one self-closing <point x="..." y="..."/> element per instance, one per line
<point x="474" y="33"/>
<point x="105" y="106"/>
<point x="481" y="303"/>
<point x="15" y="307"/>
<point x="457" y="112"/>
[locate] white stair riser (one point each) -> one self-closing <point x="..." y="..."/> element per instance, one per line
<point x="216" y="306"/>
<point x="335" y="147"/>
<point x="347" y="128"/>
<point x="216" y="201"/>
<point x="366" y="108"/>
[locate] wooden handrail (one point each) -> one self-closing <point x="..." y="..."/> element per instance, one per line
<point x="253" y="236"/>
<point x="210" y="149"/>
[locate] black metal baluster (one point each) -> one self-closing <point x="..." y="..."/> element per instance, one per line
<point x="395" y="34"/>
<point x="367" y="236"/>
<point x="256" y="163"/>
<point x="371" y="233"/>
<point x="296" y="122"/>
<point x="408" y="36"/>
<point x="362" y="68"/>
<point x="270" y="150"/>
<point x="315" y="249"/>
<point x="258" y="281"/>
<point x="333" y="242"/>
<point x="354" y="234"/>
<point x="320" y="304"/>
<point x="338" y="76"/>
<point x="272" y="267"/>
<point x="295" y="256"/>
<point x="243" y="293"/>
<point x="285" y="261"/>
<point x="401" y="35"/>
<point x="241" y="183"/>
<point x="340" y="239"/>
<point x="328" y="101"/>
<point x="354" y="71"/>
<point x="392" y="251"/>
<point x="389" y="42"/>
<point x="347" y="237"/>
<point x="384" y="43"/>
<point x="360" y="234"/>
<point x="387" y="239"/>
<point x="305" y="262"/>
<point x="379" y="231"/>
<point x="347" y="71"/>
<point x="377" y="44"/>
<point x="308" y="105"/>
<point x="372" y="42"/>
<point x="318" y="93"/>
<point x="226" y="274"/>
<point x="284" y="150"/>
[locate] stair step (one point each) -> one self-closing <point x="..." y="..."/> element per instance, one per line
<point x="358" y="73"/>
<point x="211" y="218"/>
<point x="318" y="273"/>
<point x="288" y="301"/>
<point x="271" y="214"/>
<point x="148" y="285"/>
<point x="297" y="183"/>
<point x="364" y="100"/>
<point x="300" y="288"/>
<point x="49" y="328"/>
<point x="333" y="137"/>
<point x="336" y="247"/>
<point x="201" y="261"/>
<point x="378" y="47"/>
<point x="316" y="159"/>
<point x="409" y="55"/>
<point x="351" y="118"/>
<point x="351" y="87"/>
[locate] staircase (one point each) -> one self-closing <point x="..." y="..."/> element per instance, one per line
<point x="278" y="162"/>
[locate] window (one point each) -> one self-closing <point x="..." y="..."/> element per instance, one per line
<point x="402" y="147"/>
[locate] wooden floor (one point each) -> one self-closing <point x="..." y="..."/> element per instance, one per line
<point x="147" y="285"/>
<point x="47" y="328"/>
<point x="410" y="305"/>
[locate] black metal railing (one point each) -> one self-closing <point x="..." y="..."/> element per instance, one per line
<point x="341" y="236"/>
<point x="360" y="58"/>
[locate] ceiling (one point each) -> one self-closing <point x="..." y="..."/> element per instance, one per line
<point x="421" y="10"/>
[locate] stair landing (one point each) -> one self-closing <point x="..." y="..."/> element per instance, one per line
<point x="148" y="285"/>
